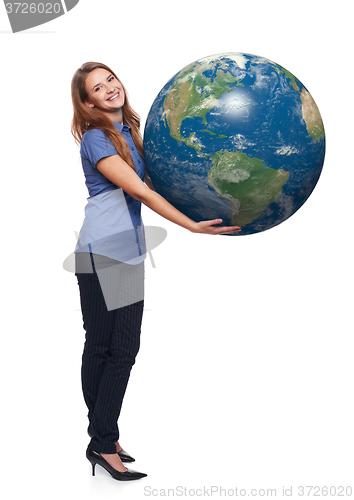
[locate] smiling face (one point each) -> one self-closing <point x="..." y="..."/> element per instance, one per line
<point x="105" y="92"/>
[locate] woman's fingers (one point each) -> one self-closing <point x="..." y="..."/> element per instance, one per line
<point x="228" y="229"/>
<point x="208" y="227"/>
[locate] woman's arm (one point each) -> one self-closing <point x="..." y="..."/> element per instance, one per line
<point x="149" y="183"/>
<point x="121" y="174"/>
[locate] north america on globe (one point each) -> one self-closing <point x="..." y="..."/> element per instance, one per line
<point x="235" y="136"/>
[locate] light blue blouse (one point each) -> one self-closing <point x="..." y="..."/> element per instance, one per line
<point x="112" y="226"/>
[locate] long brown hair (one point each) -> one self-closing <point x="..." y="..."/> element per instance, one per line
<point x="86" y="118"/>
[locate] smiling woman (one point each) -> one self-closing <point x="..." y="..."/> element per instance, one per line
<point x="90" y="90"/>
<point x="98" y="92"/>
<point x="110" y="252"/>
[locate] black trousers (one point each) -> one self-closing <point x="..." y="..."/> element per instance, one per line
<point x="112" y="341"/>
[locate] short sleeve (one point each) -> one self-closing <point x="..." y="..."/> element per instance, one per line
<point x="95" y="145"/>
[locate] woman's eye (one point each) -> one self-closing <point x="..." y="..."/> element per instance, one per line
<point x="97" y="88"/>
<point x="111" y="78"/>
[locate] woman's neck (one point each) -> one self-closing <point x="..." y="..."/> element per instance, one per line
<point x="116" y="116"/>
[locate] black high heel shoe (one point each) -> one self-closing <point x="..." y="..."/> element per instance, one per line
<point x="123" y="455"/>
<point x="128" y="475"/>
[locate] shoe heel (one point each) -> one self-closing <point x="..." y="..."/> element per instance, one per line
<point x="93" y="468"/>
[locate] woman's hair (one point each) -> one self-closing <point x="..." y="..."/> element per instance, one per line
<point x="86" y="118"/>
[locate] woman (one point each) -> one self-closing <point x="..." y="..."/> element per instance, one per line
<point x="110" y="252"/>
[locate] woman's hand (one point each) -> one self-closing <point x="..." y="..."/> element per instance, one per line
<point x="208" y="227"/>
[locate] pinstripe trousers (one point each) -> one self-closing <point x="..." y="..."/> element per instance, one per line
<point x="112" y="341"/>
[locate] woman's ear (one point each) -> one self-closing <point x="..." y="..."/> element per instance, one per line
<point x="89" y="104"/>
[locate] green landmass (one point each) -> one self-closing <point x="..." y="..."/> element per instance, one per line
<point x="246" y="183"/>
<point x="220" y="136"/>
<point x="312" y="117"/>
<point x="209" y="131"/>
<point x="185" y="101"/>
<point x="310" y="111"/>
<point x="192" y="142"/>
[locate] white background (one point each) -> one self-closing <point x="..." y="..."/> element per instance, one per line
<point x="244" y="375"/>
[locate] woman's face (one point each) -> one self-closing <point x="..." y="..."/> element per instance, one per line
<point x="104" y="91"/>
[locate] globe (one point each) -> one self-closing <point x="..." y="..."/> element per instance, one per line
<point x="237" y="137"/>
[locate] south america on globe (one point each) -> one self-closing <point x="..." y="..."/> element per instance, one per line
<point x="237" y="137"/>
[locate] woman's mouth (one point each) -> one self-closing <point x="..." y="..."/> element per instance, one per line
<point x="114" y="97"/>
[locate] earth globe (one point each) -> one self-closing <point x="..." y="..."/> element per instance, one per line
<point x="237" y="137"/>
